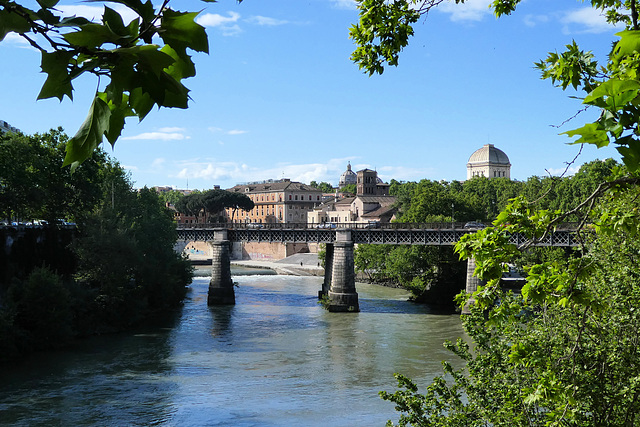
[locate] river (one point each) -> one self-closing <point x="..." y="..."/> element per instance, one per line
<point x="276" y="358"/>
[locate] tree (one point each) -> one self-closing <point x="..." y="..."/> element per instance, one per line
<point x="213" y="201"/>
<point x="139" y="73"/>
<point x="561" y="352"/>
<point x="325" y="187"/>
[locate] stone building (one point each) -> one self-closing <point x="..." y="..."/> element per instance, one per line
<point x="278" y="201"/>
<point x="6" y="127"/>
<point x="489" y="162"/>
<point x="371" y="204"/>
<point x="348" y="177"/>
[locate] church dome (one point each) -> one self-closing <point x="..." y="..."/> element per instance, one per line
<point x="489" y="154"/>
<point x="348" y="177"/>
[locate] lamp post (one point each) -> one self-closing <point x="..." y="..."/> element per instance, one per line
<point x="452" y="221"/>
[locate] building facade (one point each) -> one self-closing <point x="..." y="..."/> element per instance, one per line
<point x="6" y="127"/>
<point x="281" y="201"/>
<point x="489" y="162"/>
<point x="371" y="204"/>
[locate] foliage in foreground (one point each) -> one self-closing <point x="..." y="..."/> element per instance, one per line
<point x="118" y="271"/>
<point x="565" y="350"/>
<point x="138" y="64"/>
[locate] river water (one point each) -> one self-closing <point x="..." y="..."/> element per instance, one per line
<point x="276" y="358"/>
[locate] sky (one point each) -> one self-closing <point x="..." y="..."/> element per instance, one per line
<point x="278" y="96"/>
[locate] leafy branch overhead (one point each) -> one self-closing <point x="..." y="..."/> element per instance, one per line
<point x="384" y="29"/>
<point x="144" y="61"/>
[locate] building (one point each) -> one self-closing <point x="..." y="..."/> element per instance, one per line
<point x="348" y="177"/>
<point x="6" y="127"/>
<point x="280" y="201"/>
<point x="489" y="162"/>
<point x="371" y="204"/>
<point x="368" y="184"/>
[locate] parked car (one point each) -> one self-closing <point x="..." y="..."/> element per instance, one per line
<point x="326" y="225"/>
<point x="373" y="224"/>
<point x="474" y="224"/>
<point x="254" y="225"/>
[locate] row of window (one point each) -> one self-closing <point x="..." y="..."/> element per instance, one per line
<point x="261" y="198"/>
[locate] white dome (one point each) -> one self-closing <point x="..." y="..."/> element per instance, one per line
<point x="348" y="177"/>
<point x="489" y="154"/>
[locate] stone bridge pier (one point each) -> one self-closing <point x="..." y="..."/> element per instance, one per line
<point x="472" y="284"/>
<point x="221" y="290"/>
<point x="339" y="275"/>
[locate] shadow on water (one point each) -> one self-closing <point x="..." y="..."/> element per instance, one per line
<point x="118" y="376"/>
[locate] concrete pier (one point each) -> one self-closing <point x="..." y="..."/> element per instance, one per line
<point x="328" y="271"/>
<point x="221" y="290"/>
<point x="342" y="291"/>
<point x="472" y="284"/>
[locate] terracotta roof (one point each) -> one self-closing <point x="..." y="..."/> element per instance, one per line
<point x="274" y="186"/>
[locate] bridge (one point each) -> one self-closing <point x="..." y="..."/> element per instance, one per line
<point x="339" y="277"/>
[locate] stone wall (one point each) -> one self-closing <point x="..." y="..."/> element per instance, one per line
<point x="266" y="251"/>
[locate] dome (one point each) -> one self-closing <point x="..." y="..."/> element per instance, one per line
<point x="489" y="154"/>
<point x="348" y="177"/>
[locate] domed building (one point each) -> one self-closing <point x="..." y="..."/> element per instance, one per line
<point x="489" y="162"/>
<point x="348" y="177"/>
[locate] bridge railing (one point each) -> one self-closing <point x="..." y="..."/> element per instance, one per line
<point x="328" y="225"/>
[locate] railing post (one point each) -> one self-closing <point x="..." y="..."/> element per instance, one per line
<point x="221" y="290"/>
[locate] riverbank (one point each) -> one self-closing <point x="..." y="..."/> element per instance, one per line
<point x="294" y="265"/>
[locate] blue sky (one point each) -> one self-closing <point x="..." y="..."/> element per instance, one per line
<point x="278" y="96"/>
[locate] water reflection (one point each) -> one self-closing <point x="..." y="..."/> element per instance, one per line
<point x="276" y="358"/>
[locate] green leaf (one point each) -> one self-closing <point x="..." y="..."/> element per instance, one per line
<point x="47" y="4"/>
<point x="179" y="29"/>
<point x="591" y="133"/>
<point x="119" y="112"/>
<point x="616" y="93"/>
<point x="58" y="82"/>
<point x="113" y="21"/>
<point x="140" y="102"/>
<point x="91" y="36"/>
<point x="630" y="156"/>
<point x="12" y="22"/>
<point x="89" y="136"/>
<point x="628" y="44"/>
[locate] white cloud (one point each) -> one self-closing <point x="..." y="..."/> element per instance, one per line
<point x="344" y="4"/>
<point x="585" y="20"/>
<point x="535" y="20"/>
<point x="162" y="136"/>
<point x="214" y="172"/>
<point x="227" y="132"/>
<point x="572" y="170"/>
<point x="217" y="20"/>
<point x="130" y="168"/>
<point x="172" y="130"/>
<point x="470" y="10"/>
<point x="227" y="24"/>
<point x="94" y="13"/>
<point x="158" y="163"/>
<point x="266" y="21"/>
<point x="16" y="40"/>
